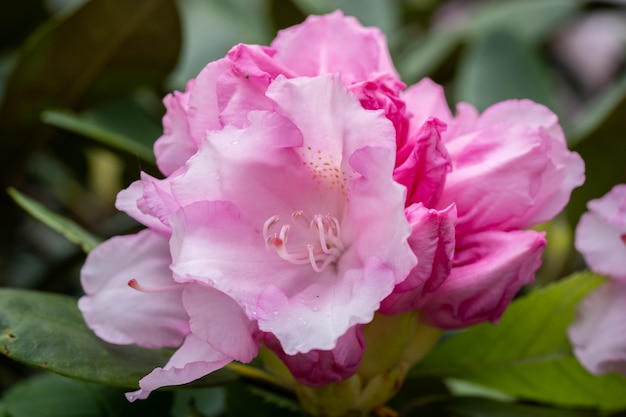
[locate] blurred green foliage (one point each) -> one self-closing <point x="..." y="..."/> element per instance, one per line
<point x="80" y="89"/>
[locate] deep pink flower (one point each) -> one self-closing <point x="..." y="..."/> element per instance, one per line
<point x="503" y="170"/>
<point x="598" y="334"/>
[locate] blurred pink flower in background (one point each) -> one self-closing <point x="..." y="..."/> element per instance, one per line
<point x="598" y="334"/>
<point x="305" y="190"/>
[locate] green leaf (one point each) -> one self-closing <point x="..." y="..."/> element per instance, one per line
<point x="66" y="227"/>
<point x="48" y="331"/>
<point x="483" y="407"/>
<point x="97" y="132"/>
<point x="529" y="20"/>
<point x="599" y="139"/>
<point x="105" y="48"/>
<point x="205" y="402"/>
<point x="56" y="396"/>
<point x="500" y="66"/>
<point x="527" y="354"/>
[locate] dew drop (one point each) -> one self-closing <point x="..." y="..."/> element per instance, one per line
<point x="275" y="312"/>
<point x="316" y="309"/>
<point x="235" y="142"/>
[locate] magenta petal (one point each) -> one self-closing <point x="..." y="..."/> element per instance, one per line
<point x="432" y="240"/>
<point x="320" y="367"/>
<point x="598" y="334"/>
<point x="218" y="320"/>
<point x="489" y="269"/>
<point x="426" y="100"/>
<point x="123" y="315"/>
<point x="423" y="168"/>
<point x="193" y="360"/>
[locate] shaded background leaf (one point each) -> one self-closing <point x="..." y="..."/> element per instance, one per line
<point x="527" y="354"/>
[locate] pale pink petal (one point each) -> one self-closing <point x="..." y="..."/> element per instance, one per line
<point x="566" y="170"/>
<point x="130" y="201"/>
<point x="486" y="165"/>
<point x="489" y="269"/>
<point x="333" y="43"/>
<point x="218" y="320"/>
<point x="432" y="241"/>
<point x="598" y="334"/>
<point x="123" y="315"/>
<point x="423" y="171"/>
<point x="321" y="367"/>
<point x="193" y="360"/>
<point x="426" y="100"/>
<point x="203" y="112"/>
<point x="601" y="234"/>
<point x="176" y="145"/>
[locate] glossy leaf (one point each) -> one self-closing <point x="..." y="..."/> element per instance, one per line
<point x="501" y="66"/>
<point x="47" y="331"/>
<point x="97" y="132"/>
<point x="527" y="354"/>
<point x="102" y="49"/>
<point x="66" y="227"/>
<point x="56" y="396"/>
<point x="483" y="407"/>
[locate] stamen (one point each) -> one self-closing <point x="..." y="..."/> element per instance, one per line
<point x="326" y="248"/>
<point x="135" y="285"/>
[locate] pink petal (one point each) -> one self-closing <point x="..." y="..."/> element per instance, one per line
<point x="600" y="234"/>
<point x="598" y="334"/>
<point x="432" y="241"/>
<point x="176" y="144"/>
<point x="498" y="176"/>
<point x="321" y="367"/>
<point x="120" y="314"/>
<point x="218" y="320"/>
<point x="193" y="360"/>
<point x="333" y="43"/>
<point x="426" y="100"/>
<point x="423" y="171"/>
<point x="489" y="269"/>
<point x="130" y="200"/>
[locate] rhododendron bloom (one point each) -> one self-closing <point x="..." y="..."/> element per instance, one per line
<point x="598" y="334"/>
<point x="305" y="191"/>
<point x="503" y="170"/>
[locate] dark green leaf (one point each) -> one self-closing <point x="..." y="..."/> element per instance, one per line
<point x="66" y="227"/>
<point x="96" y="131"/>
<point x="47" y="331"/>
<point x="599" y="138"/>
<point x="483" y="407"/>
<point x="55" y="396"/>
<point x="103" y="49"/>
<point x="500" y="66"/>
<point x="243" y="401"/>
<point x="205" y="402"/>
<point x="527" y="354"/>
<point x="529" y="20"/>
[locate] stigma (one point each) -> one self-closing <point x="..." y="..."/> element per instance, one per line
<point x="319" y="239"/>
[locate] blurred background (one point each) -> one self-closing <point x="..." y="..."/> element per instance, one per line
<point x="81" y="83"/>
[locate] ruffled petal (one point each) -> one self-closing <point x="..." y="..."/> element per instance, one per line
<point x="598" y="334"/>
<point x="218" y="320"/>
<point x="601" y="234"/>
<point x="334" y="43"/>
<point x="489" y="269"/>
<point x="193" y="360"/>
<point x="321" y="367"/>
<point x="432" y="241"/>
<point x="120" y="314"/>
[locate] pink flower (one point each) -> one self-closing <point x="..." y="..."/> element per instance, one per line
<point x="289" y="226"/>
<point x="503" y="170"/>
<point x="598" y="334"/>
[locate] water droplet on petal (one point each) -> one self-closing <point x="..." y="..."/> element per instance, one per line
<point x="275" y="312"/>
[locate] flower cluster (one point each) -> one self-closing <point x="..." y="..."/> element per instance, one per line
<point x="599" y="332"/>
<point x="307" y="189"/>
